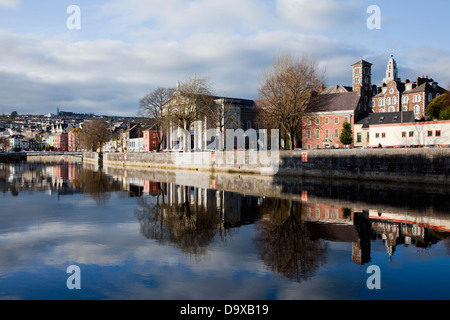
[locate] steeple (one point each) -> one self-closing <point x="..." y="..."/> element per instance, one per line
<point x="391" y="71"/>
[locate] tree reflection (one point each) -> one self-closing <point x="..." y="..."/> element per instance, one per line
<point x="95" y="184"/>
<point x="186" y="223"/>
<point x="283" y="241"/>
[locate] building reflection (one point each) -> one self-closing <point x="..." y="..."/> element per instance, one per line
<point x="294" y="221"/>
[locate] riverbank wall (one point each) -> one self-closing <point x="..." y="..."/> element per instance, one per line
<point x="392" y="165"/>
<point x="54" y="157"/>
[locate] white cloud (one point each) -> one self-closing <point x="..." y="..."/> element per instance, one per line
<point x="10" y="3"/>
<point x="110" y="76"/>
<point x="319" y="14"/>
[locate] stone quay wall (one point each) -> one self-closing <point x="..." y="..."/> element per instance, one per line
<point x="54" y="157"/>
<point x="417" y="165"/>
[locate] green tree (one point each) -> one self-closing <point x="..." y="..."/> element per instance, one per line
<point x="346" y="135"/>
<point x="445" y="114"/>
<point x="13" y="115"/>
<point x="438" y="105"/>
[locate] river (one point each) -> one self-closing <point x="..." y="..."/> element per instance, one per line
<point x="75" y="231"/>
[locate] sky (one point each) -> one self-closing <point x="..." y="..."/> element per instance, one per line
<point x="106" y="56"/>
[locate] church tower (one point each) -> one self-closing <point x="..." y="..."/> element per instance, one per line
<point x="362" y="78"/>
<point x="391" y="71"/>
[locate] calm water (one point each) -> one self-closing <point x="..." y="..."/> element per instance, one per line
<point x="177" y="235"/>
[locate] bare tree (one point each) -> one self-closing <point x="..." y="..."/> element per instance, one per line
<point x="286" y="91"/>
<point x="223" y="115"/>
<point x="152" y="106"/>
<point x="192" y="101"/>
<point x="95" y="134"/>
<point x="4" y="144"/>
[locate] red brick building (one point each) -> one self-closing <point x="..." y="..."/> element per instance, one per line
<point x="60" y="141"/>
<point x="323" y="125"/>
<point x="150" y="140"/>
<point x="395" y="95"/>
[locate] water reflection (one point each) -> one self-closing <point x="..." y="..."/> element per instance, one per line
<point x="294" y="220"/>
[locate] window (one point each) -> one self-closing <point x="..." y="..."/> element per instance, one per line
<point x="336" y="120"/>
<point x="308" y="122"/>
<point x="403" y="134"/>
<point x="249" y="124"/>
<point x="430" y="97"/>
<point x="430" y="133"/>
<point x="308" y="147"/>
<point x="358" y="137"/>
<point x="377" y="135"/>
<point x="317" y="134"/>
<point x="391" y="109"/>
<point x="346" y="119"/>
<point x="411" y="133"/>
<point x="327" y="134"/>
<point x="317" y="146"/>
<point x="336" y="133"/>
<point x="382" y="110"/>
<point x="357" y="80"/>
<point x="327" y="120"/>
<point x="438" y="133"/>
<point x="383" y="135"/>
<point x="381" y="102"/>
<point x="381" y="119"/>
<point x="394" y="100"/>
<point x="308" y="134"/>
<point x="388" y="101"/>
<point x="154" y="136"/>
<point x="416" y="109"/>
<point x="317" y="121"/>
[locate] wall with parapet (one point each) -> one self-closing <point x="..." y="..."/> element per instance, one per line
<point x="394" y="165"/>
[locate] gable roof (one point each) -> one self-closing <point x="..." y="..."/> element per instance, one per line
<point x="334" y="102"/>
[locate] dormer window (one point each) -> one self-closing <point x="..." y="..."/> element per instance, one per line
<point x="381" y="119"/>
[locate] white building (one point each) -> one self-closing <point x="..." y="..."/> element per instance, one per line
<point x="136" y="145"/>
<point x="410" y="134"/>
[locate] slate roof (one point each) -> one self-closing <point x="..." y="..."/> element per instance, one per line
<point x="334" y="102"/>
<point x="426" y="87"/>
<point x="386" y="118"/>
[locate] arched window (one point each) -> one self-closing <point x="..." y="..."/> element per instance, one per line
<point x="416" y="109"/>
<point x="391" y="109"/>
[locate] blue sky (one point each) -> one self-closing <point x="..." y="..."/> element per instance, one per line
<point x="125" y="49"/>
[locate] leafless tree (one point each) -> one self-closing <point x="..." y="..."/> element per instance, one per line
<point x="152" y="107"/>
<point x="4" y="144"/>
<point x="286" y="90"/>
<point x="193" y="100"/>
<point x="95" y="134"/>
